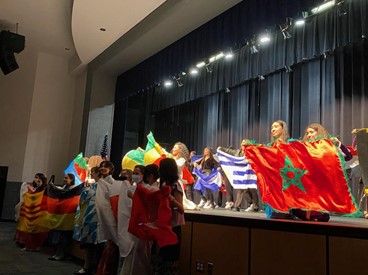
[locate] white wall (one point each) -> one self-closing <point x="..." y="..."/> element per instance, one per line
<point x="101" y="114"/>
<point x="42" y="114"/>
<point x="16" y="93"/>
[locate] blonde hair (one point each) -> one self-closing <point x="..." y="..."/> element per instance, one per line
<point x="183" y="150"/>
<point x="321" y="131"/>
<point x="285" y="132"/>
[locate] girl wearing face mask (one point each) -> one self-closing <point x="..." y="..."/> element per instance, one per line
<point x="137" y="176"/>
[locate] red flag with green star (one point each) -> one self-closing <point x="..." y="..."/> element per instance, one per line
<point x="302" y="175"/>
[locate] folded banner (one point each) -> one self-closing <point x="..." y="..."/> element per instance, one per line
<point x="78" y="167"/>
<point x="212" y="181"/>
<point x="30" y="231"/>
<point x="133" y="158"/>
<point x="59" y="207"/>
<point x="302" y="175"/>
<point x="238" y="171"/>
<point x="154" y="152"/>
<point x="30" y="216"/>
<point x="151" y="216"/>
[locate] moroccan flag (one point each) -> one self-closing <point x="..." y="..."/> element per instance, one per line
<point x="59" y="206"/>
<point x="302" y="175"/>
<point x="154" y="152"/>
<point x="78" y="167"/>
<point x="151" y="216"/>
<point x="133" y="158"/>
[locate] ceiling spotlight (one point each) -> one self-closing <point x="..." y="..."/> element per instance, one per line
<point x="264" y="39"/>
<point x="229" y="54"/>
<point x="168" y="83"/>
<point x="200" y="64"/>
<point x="323" y="7"/>
<point x="183" y="73"/>
<point x="178" y="80"/>
<point x="193" y="71"/>
<point x="299" y="22"/>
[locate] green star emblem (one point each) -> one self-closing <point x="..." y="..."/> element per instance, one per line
<point x="291" y="175"/>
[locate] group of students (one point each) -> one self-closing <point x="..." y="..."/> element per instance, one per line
<point x="279" y="133"/>
<point x="103" y="220"/>
<point x="107" y="224"/>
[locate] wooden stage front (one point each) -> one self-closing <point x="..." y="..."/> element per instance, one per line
<point x="219" y="241"/>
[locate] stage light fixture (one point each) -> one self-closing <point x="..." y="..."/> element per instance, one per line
<point x="285" y="28"/>
<point x="209" y="68"/>
<point x="299" y="22"/>
<point x="193" y="71"/>
<point x="227" y="90"/>
<point x="265" y="38"/>
<point x="178" y="80"/>
<point x="200" y="64"/>
<point x="168" y="83"/>
<point x="252" y="46"/>
<point x="208" y="65"/>
<point x="323" y="7"/>
<point x="288" y="69"/>
<point x="229" y="54"/>
<point x="341" y="11"/>
<point x="261" y="77"/>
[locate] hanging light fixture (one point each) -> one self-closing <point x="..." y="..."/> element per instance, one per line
<point x="285" y="28"/>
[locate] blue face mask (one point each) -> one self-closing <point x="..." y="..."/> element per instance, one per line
<point x="136" y="178"/>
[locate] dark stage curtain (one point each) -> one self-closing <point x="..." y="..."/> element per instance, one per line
<point x="327" y="83"/>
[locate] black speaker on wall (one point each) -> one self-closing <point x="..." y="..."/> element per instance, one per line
<point x="10" y="43"/>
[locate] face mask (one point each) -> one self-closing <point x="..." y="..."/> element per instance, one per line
<point x="136" y="178"/>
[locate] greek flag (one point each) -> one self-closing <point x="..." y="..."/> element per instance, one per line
<point x="238" y="171"/>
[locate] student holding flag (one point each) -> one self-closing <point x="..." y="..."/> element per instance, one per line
<point x="209" y="180"/>
<point x="59" y="236"/>
<point x="31" y="234"/>
<point x="313" y="132"/>
<point x="85" y="228"/>
<point x="247" y="191"/>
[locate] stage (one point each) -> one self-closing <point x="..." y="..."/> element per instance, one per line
<point x="220" y="241"/>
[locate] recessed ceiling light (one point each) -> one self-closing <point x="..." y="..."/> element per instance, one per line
<point x="102" y="29"/>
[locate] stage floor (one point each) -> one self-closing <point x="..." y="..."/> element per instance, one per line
<point x="337" y="225"/>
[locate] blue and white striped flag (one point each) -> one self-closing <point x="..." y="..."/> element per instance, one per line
<point x="212" y="181"/>
<point x="238" y="171"/>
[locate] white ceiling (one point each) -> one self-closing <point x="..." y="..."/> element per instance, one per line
<point x="142" y="27"/>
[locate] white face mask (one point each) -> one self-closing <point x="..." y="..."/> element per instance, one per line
<point x="136" y="178"/>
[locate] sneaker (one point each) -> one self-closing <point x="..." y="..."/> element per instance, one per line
<point x="251" y="209"/>
<point x="201" y="203"/>
<point x="229" y="205"/>
<point x="208" y="205"/>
